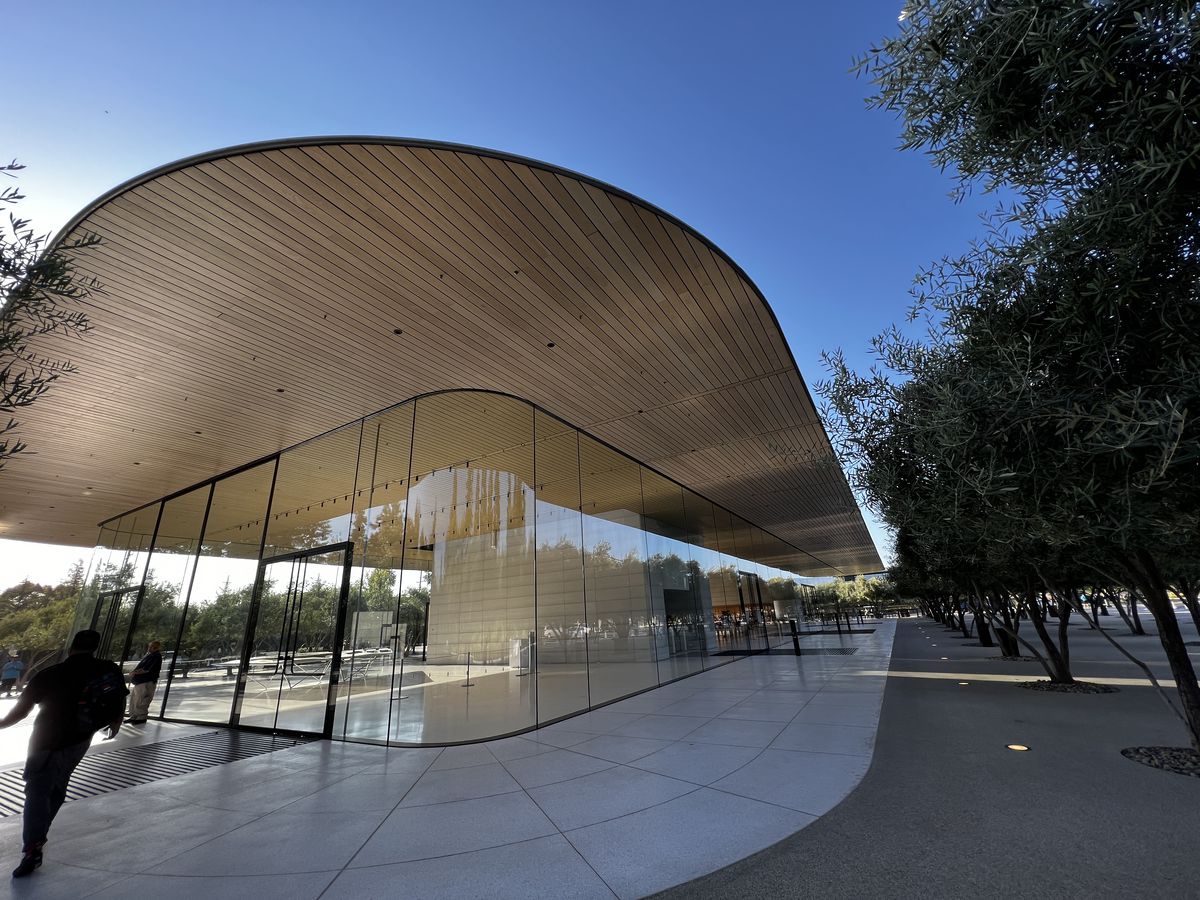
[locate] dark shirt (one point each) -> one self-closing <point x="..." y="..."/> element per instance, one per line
<point x="58" y="690"/>
<point x="152" y="663"/>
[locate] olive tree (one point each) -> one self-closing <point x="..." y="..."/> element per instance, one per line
<point x="1050" y="420"/>
<point x="41" y="293"/>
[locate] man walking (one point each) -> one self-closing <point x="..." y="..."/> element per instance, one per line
<point x="144" y="680"/>
<point x="78" y="697"/>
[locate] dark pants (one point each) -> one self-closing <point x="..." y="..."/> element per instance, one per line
<point x="47" y="773"/>
<point x="6" y="685"/>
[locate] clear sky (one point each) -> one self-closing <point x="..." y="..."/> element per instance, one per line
<point x="742" y="119"/>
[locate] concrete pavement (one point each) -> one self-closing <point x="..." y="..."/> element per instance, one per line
<point x="947" y="811"/>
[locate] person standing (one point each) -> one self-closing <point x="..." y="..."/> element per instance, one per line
<point x="144" y="680"/>
<point x="11" y="674"/>
<point x="78" y="697"/>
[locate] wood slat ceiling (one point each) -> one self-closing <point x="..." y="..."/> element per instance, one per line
<point x="293" y="266"/>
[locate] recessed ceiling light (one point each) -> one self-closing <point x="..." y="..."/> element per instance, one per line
<point x="279" y="390"/>
<point x="196" y="432"/>
<point x="964" y="682"/>
<point x="397" y="331"/>
<point x="945" y="657"/>
<point x="1019" y="747"/>
<point x="551" y="344"/>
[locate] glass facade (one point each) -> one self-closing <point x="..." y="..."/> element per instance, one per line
<point x="456" y="568"/>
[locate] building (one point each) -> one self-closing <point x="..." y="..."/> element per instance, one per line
<point x="447" y="444"/>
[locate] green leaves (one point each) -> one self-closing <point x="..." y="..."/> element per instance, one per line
<point x="40" y="292"/>
<point x="1050" y="412"/>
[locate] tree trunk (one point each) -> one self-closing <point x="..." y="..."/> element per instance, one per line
<point x="1169" y="635"/>
<point x="1116" y="601"/>
<point x="1133" y="612"/>
<point x="1064" y="647"/>
<point x="978" y="603"/>
<point x="1189" y="592"/>
<point x="1057" y="668"/>
<point x="985" y="633"/>
<point x="1008" y="643"/>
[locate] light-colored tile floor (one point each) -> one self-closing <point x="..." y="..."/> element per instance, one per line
<point x="624" y="801"/>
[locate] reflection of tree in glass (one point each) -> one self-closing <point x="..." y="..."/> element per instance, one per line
<point x="157" y="617"/>
<point x="215" y="630"/>
<point x="412" y="613"/>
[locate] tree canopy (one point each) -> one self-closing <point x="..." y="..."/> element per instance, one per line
<point x="1042" y="437"/>
<point x="41" y="293"/>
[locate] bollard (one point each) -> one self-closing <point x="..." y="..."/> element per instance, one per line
<point x="795" y="636"/>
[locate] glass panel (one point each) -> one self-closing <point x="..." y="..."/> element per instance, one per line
<point x="620" y="639"/>
<point x="85" y="610"/>
<point x="121" y="577"/>
<point x="750" y="585"/>
<point x="733" y="633"/>
<point x="675" y="591"/>
<point x="784" y="597"/>
<point x="293" y="648"/>
<point x="315" y="493"/>
<point x="561" y="657"/>
<point x="126" y="550"/>
<point x="117" y="577"/>
<point x="379" y="631"/>
<point x="458" y="507"/>
<point x="470" y="487"/>
<point x="215" y="624"/>
<point x="776" y="620"/>
<point x="115" y="613"/>
<point x="704" y="564"/>
<point x="168" y="580"/>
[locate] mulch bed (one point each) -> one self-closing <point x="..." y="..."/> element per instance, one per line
<point x="1078" y="687"/>
<point x="1180" y="760"/>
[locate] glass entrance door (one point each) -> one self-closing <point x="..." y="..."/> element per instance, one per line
<point x="112" y="618"/>
<point x="291" y="661"/>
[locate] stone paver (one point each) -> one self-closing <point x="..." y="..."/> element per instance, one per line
<point x="643" y="794"/>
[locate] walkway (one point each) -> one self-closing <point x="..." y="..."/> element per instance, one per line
<point x="947" y="811"/>
<point x="643" y="794"/>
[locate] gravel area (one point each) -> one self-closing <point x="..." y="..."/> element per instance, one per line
<point x="1181" y="760"/>
<point x="1078" y="687"/>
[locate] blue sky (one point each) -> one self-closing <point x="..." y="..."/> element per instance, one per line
<point x="741" y="119"/>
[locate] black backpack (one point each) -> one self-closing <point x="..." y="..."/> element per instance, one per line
<point x="102" y="701"/>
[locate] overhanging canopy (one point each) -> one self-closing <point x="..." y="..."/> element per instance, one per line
<point x="260" y="295"/>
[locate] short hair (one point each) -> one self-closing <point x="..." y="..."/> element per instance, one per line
<point x="85" y="641"/>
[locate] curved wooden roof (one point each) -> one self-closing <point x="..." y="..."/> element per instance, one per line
<point x="353" y="273"/>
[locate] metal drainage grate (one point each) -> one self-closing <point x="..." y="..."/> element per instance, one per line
<point x="815" y="651"/>
<point x="112" y="770"/>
